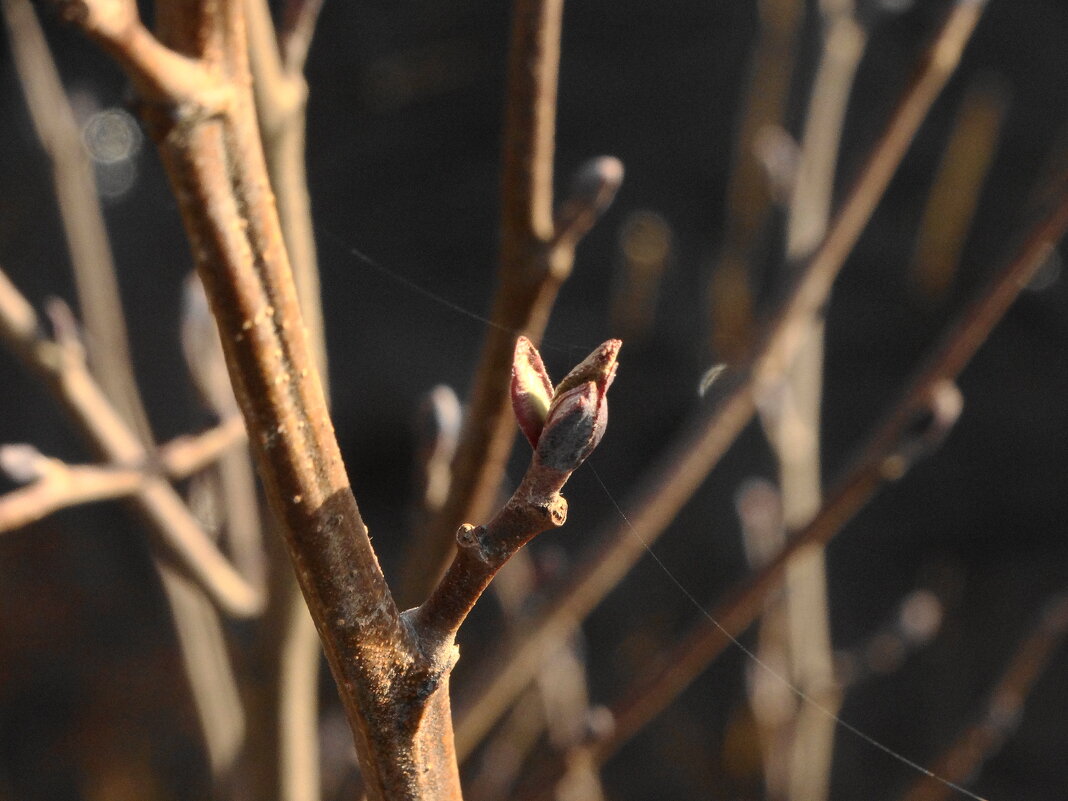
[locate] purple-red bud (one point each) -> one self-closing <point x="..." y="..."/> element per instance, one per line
<point x="599" y="367"/>
<point x="565" y="425"/>
<point x="532" y="391"/>
<point x="576" y="424"/>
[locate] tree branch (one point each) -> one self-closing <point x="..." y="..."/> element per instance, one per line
<point x="962" y="760"/>
<point x="537" y="254"/>
<point x="276" y="62"/>
<point x="196" y="624"/>
<point x="281" y="95"/>
<point x="887" y="455"/>
<point x="57" y="485"/>
<point x="564" y="426"/>
<point x="80" y="212"/>
<point x="677" y="474"/>
<point x="62" y="367"/>
<point x="215" y="162"/>
<point x="160" y="74"/>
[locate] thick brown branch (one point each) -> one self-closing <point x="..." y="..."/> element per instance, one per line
<point x="677" y="474"/>
<point x="216" y="166"/>
<point x="160" y="74"/>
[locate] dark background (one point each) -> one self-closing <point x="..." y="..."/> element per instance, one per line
<point x="403" y="161"/>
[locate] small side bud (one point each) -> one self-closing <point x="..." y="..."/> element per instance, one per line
<point x="593" y="188"/>
<point x="532" y="391"/>
<point x="23" y="463"/>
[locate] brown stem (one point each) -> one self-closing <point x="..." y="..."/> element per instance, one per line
<point x="280" y="91"/>
<point x="535" y="506"/>
<point x="534" y="262"/>
<point x="683" y="467"/>
<point x="400" y="722"/>
<point x="281" y="95"/>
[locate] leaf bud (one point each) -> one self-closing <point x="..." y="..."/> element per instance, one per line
<point x="531" y="390"/>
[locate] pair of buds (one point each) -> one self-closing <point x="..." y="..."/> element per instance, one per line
<point x="563" y="424"/>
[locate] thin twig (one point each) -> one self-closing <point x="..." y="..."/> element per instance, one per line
<point x="197" y="627"/>
<point x="961" y="762"/>
<point x="749" y="199"/>
<point x="190" y="453"/>
<point x="59" y="485"/>
<point x="772" y="705"/>
<point x="206" y="660"/>
<point x="66" y="375"/>
<point x="885" y="457"/>
<point x="231" y="489"/>
<point x="537" y="254"/>
<point x="295" y="31"/>
<point x="437" y="431"/>
<point x="298" y="702"/>
<point x="957" y="186"/>
<point x="107" y="342"/>
<point x="682" y="468"/>
<point x="791" y="415"/>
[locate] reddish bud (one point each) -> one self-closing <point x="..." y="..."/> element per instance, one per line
<point x="575" y="426"/>
<point x="565" y="425"/>
<point x="599" y="367"/>
<point x="532" y="391"/>
<point x="578" y="414"/>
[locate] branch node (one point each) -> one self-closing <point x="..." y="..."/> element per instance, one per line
<point x="469" y="538"/>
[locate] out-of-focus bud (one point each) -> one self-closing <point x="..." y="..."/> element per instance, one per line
<point x="532" y="391"/>
<point x="23" y="463"/>
<point x="593" y="188"/>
